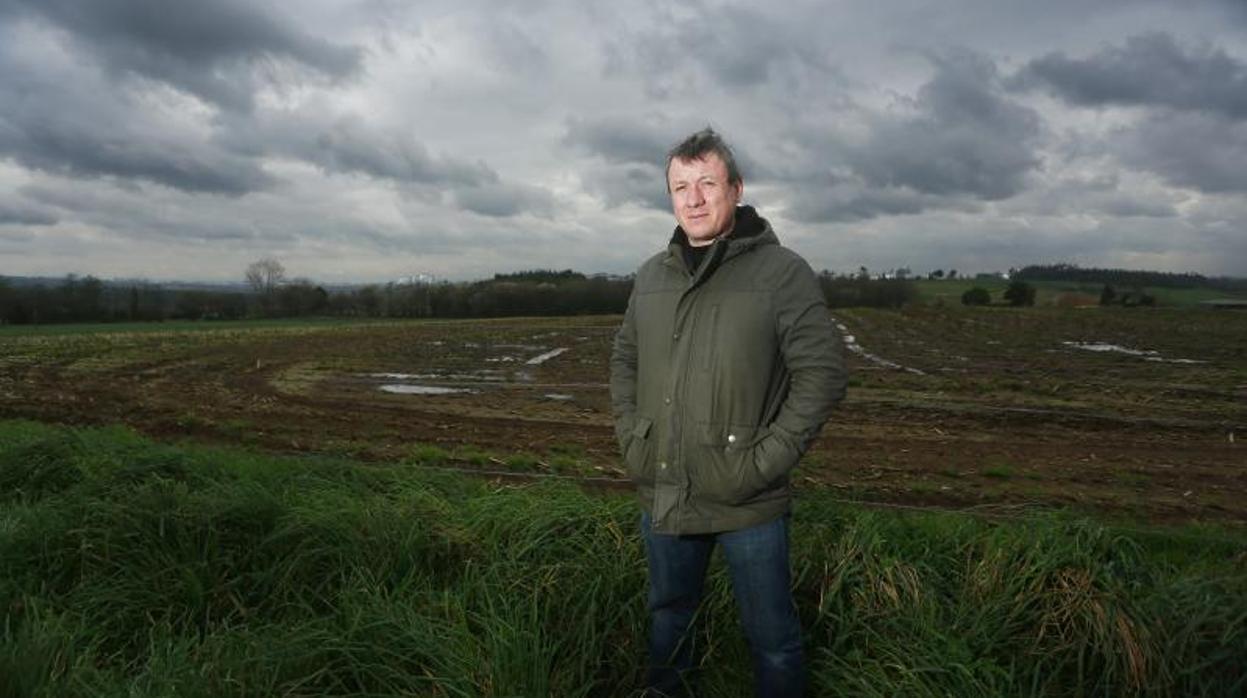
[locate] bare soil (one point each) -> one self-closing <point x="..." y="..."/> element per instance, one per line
<point x="983" y="408"/>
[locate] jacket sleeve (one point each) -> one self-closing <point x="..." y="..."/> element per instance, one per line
<point x="813" y="354"/>
<point x="623" y="368"/>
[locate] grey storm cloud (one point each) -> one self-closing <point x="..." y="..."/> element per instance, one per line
<point x="853" y="202"/>
<point x="1147" y="70"/>
<point x="210" y="48"/>
<point x="69" y="121"/>
<point x="964" y="137"/>
<point x="616" y="185"/>
<point x="619" y="140"/>
<point x="735" y="47"/>
<point x="500" y="200"/>
<point x="350" y="145"/>
<point x="347" y="146"/>
<point x="22" y="215"/>
<point x="1199" y="151"/>
<point x="959" y="140"/>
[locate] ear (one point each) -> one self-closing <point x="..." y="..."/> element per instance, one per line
<point x="739" y="191"/>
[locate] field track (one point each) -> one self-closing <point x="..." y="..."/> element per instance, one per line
<point x="1130" y="412"/>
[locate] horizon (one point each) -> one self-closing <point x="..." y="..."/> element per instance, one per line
<point x="434" y="279"/>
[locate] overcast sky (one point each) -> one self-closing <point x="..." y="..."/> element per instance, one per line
<point x="369" y="140"/>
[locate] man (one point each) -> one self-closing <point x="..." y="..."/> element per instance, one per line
<point x="724" y="370"/>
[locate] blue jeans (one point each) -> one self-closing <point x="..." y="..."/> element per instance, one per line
<point x="757" y="558"/>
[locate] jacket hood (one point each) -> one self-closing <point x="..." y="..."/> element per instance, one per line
<point x="750" y="231"/>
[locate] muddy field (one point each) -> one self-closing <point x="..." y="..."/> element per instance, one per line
<point x="1127" y="412"/>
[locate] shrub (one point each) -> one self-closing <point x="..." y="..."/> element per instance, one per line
<point x="1020" y="293"/>
<point x="976" y="296"/>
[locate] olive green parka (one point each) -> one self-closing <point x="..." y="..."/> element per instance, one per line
<point x="721" y="377"/>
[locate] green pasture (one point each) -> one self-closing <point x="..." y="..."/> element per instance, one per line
<point x="132" y="568"/>
<point x="948" y="291"/>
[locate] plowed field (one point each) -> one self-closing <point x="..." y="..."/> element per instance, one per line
<point x="1131" y="412"/>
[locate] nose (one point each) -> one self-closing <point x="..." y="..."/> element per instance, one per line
<point x="695" y="197"/>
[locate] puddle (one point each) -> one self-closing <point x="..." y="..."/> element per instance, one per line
<point x="500" y="359"/>
<point x="1105" y="347"/>
<point x="409" y="389"/>
<point x="558" y="396"/>
<point x="1145" y="354"/>
<point x="542" y="358"/>
<point x="486" y="374"/>
<point x="850" y="343"/>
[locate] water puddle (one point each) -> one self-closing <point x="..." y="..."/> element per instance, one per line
<point x="1145" y="354"/>
<point x="485" y="374"/>
<point x="558" y="396"/>
<point x="850" y="343"/>
<point x="410" y="389"/>
<point x="542" y="358"/>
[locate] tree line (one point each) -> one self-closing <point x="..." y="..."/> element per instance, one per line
<point x="1126" y="278"/>
<point x="270" y="295"/>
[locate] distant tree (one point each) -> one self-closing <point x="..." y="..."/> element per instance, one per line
<point x="937" y="274"/>
<point x="952" y="274"/>
<point x="1019" y="294"/>
<point x="859" y="292"/>
<point x="6" y="302"/>
<point x="1107" y="295"/>
<point x="976" y="296"/>
<point x="265" y="274"/>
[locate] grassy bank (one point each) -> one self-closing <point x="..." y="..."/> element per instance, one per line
<point x="139" y="569"/>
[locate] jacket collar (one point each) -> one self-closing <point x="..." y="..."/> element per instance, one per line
<point x="750" y="231"/>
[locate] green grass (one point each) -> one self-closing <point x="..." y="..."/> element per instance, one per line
<point x="1000" y="471"/>
<point x="949" y="292"/>
<point x="132" y="568"/>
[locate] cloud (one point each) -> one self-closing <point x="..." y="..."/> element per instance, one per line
<point x="347" y="144"/>
<point x="61" y="116"/>
<point x="218" y="50"/>
<point x="961" y="137"/>
<point x="1199" y="151"/>
<point x="363" y="140"/>
<point x="617" y="185"/>
<point x="619" y="140"/>
<point x="853" y="202"/>
<point x="501" y="200"/>
<point x="1148" y="70"/>
<point x="730" y="47"/>
<point x="25" y="215"/>
<point x="959" y="140"/>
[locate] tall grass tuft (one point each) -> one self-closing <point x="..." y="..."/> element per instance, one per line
<point x="131" y="568"/>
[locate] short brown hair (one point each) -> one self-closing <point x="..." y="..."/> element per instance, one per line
<point x="696" y="146"/>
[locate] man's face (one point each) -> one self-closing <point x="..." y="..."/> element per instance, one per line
<point x="704" y="202"/>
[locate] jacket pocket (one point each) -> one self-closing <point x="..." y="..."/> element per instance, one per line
<point x="725" y="469"/>
<point x="637" y="450"/>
